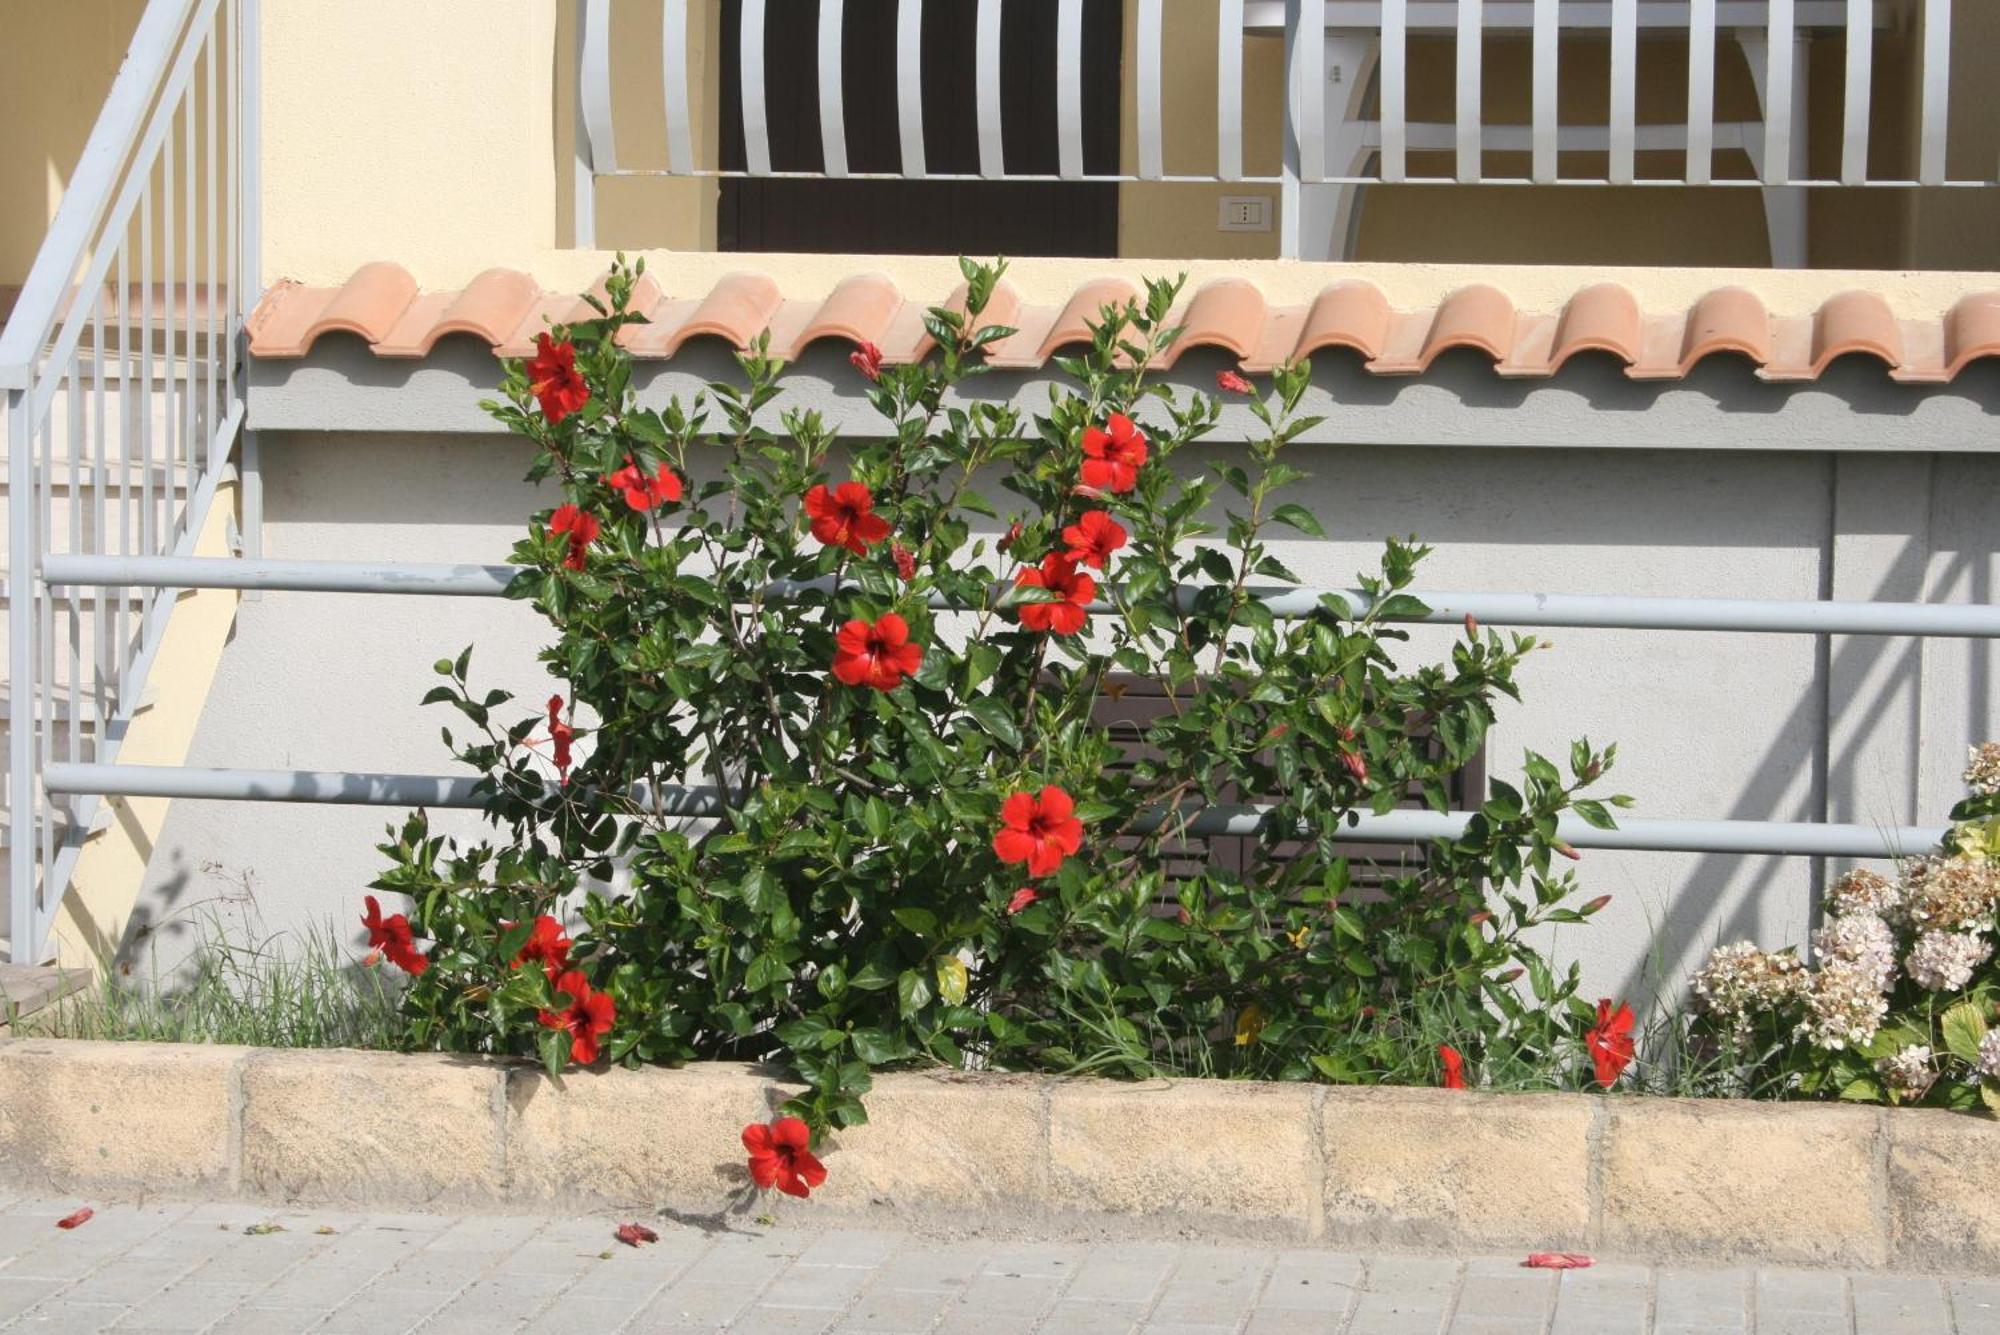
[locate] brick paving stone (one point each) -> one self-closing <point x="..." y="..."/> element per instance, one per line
<point x="1122" y="1274"/>
<point x="1899" y="1305"/>
<point x="882" y="1311"/>
<point x="1714" y="1300"/>
<point x="1975" y="1304"/>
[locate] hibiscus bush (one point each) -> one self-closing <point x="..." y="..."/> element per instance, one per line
<point x="827" y="778"/>
<point x="1899" y="1003"/>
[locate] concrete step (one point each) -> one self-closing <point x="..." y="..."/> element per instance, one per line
<point x="27" y="988"/>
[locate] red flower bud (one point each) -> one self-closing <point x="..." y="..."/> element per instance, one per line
<point x="1233" y="383"/>
<point x="1569" y="852"/>
<point x="1478" y="918"/>
<point x="1471" y="624"/>
<point x="1355" y="765"/>
<point x="1013" y="536"/>
<point x="867" y="359"/>
<point x="906" y="562"/>
<point x="1596" y="904"/>
<point x="1510" y="975"/>
<point x="1182" y="918"/>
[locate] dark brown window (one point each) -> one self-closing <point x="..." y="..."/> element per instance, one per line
<point x="981" y="218"/>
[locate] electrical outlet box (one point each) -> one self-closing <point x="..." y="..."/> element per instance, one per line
<point x="1245" y="213"/>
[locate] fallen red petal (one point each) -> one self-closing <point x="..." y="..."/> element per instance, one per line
<point x="80" y="1217"/>
<point x="634" y="1234"/>
<point x="1558" y="1261"/>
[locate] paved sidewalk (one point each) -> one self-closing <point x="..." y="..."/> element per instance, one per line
<point x="196" y="1268"/>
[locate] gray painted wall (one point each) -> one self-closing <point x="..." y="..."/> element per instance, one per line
<point x="1708" y="725"/>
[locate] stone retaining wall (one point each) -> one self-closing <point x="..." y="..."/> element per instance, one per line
<point x="1661" y="1179"/>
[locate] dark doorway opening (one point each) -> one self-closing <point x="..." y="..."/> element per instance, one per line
<point x="923" y="217"/>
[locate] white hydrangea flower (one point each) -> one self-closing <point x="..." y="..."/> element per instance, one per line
<point x="1740" y="982"/>
<point x="1950" y="894"/>
<point x="1944" y="961"/>
<point x="1982" y="771"/>
<point x="1863" y="891"/>
<point x="1910" y="1072"/>
<point x="1844" y="1008"/>
<point x="1988" y="1064"/>
<point x="1862" y="940"/>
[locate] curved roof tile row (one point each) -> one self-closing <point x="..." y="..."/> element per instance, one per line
<point x="505" y="308"/>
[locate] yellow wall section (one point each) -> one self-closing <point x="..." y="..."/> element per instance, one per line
<point x="90" y="926"/>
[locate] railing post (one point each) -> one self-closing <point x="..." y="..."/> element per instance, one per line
<point x="250" y="145"/>
<point x="22" y="803"/>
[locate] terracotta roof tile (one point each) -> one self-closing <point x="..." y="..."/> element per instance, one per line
<point x="505" y="309"/>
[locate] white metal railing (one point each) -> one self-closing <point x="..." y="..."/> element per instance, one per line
<point x="124" y="388"/>
<point x="1347" y="118"/>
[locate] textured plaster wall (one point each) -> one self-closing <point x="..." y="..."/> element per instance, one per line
<point x="1708" y="725"/>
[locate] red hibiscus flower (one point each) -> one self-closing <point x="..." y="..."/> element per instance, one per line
<point x="1072" y="590"/>
<point x="391" y="937"/>
<point x="781" y="1156"/>
<point x="1040" y="831"/>
<point x="561" y="736"/>
<point x="546" y="945"/>
<point x="1454" y="1066"/>
<point x="554" y="380"/>
<point x="1610" y="1041"/>
<point x="878" y="655"/>
<point x="867" y="359"/>
<point x="587" y="1016"/>
<point x="1022" y="898"/>
<point x="845" y="517"/>
<point x="644" y="493"/>
<point x="1233" y="383"/>
<point x="1113" y="454"/>
<point x="634" y="1234"/>
<point x="1092" y="539"/>
<point x="582" y="528"/>
<point x="906" y="562"/>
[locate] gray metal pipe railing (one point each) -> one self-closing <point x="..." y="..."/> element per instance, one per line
<point x="1605" y="612"/>
<point x="1395" y="827"/>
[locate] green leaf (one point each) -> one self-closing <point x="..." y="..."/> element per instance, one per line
<point x="913" y="992"/>
<point x="952" y="980"/>
<point x="758" y="891"/>
<point x="1300" y="518"/>
<point x="1964" y="1028"/>
<point x="920" y="921"/>
<point x="997" y="719"/>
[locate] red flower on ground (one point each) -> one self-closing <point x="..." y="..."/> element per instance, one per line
<point x="1610" y="1041"/>
<point x="867" y="359"/>
<point x="634" y="1234"/>
<point x="644" y="493"/>
<point x="561" y="736"/>
<point x="391" y="937"/>
<point x="1558" y="1261"/>
<point x="1092" y="539"/>
<point x="1040" y="831"/>
<point x="1071" y="589"/>
<point x="1022" y="898"/>
<point x="582" y="528"/>
<point x="554" y="379"/>
<point x="546" y="945"/>
<point x="781" y="1156"/>
<point x="906" y="562"/>
<point x="845" y="517"/>
<point x="82" y="1216"/>
<point x="1454" y="1066"/>
<point x="1233" y="383"/>
<point x="878" y="655"/>
<point x="587" y="1017"/>
<point x="1113" y="454"/>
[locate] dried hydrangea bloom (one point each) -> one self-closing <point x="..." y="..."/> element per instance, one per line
<point x="1982" y="771"/>
<point x="1951" y="894"/>
<point x="1911" y="1072"/>
<point x="1988" y="1064"/>
<point x="1740" y="982"/>
<point x="1944" y="961"/>
<point x="1862" y="941"/>
<point x="1863" y="891"/>
<point x="1844" y="1009"/>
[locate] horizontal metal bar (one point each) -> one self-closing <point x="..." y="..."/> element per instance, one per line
<point x="1589" y="611"/>
<point x="1373" y="135"/>
<point x="1396" y="827"/>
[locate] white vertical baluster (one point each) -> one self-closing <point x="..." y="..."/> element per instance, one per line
<point x="1859" y="92"/>
<point x="1069" y="89"/>
<point x="1624" y="90"/>
<point x="986" y="80"/>
<point x="214" y="361"/>
<point x="910" y="84"/>
<point x="1395" y="90"/>
<point x="832" y="107"/>
<point x="1229" y="90"/>
<point x="1932" y="167"/>
<point x="1778" y="94"/>
<point x="756" y="124"/>
<point x="674" y="79"/>
<point x="1309" y="89"/>
<point x="594" y="85"/>
<point x="1700" y="168"/>
<point x="1471" y="53"/>
<point x="1152" y="155"/>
